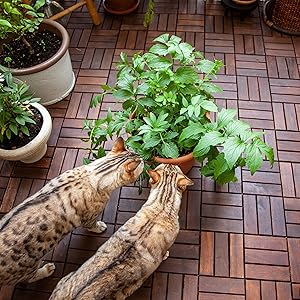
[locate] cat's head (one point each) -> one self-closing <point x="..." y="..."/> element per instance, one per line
<point x="120" y="166"/>
<point x="169" y="176"/>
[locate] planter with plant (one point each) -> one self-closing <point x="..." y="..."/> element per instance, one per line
<point x="166" y="96"/>
<point x="36" y="50"/>
<point x="25" y="125"/>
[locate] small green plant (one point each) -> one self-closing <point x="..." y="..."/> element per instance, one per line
<point x="15" y="113"/>
<point x="149" y="15"/>
<point x="18" y="19"/>
<point x="166" y="106"/>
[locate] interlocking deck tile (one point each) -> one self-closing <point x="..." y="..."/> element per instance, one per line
<point x="238" y="241"/>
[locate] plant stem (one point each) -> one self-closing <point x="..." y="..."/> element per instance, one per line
<point x="28" y="45"/>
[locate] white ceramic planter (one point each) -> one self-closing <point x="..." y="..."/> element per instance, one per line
<point x="36" y="148"/>
<point x="54" y="79"/>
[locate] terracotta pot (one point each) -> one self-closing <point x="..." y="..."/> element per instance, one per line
<point x="54" y="79"/>
<point x="35" y="149"/>
<point x="185" y="162"/>
<point x="120" y="7"/>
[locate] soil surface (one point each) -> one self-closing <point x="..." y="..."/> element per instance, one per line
<point x="21" y="140"/>
<point x="44" y="45"/>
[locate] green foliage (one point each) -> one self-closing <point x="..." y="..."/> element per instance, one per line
<point x="166" y="103"/>
<point x="149" y="13"/>
<point x="18" y="18"/>
<point x="15" y="100"/>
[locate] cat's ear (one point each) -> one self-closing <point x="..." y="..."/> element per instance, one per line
<point x="183" y="183"/>
<point x="132" y="165"/>
<point x="118" y="146"/>
<point x="154" y="176"/>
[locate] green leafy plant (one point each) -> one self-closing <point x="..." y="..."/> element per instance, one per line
<point x="15" y="112"/>
<point x="167" y="96"/>
<point x="18" y="19"/>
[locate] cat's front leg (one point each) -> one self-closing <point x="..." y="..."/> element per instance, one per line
<point x="94" y="225"/>
<point x="43" y="272"/>
<point x="99" y="227"/>
<point x="166" y="255"/>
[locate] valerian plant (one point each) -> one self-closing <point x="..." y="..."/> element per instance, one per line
<point x="167" y="96"/>
<point x="18" y="19"/>
<point x="15" y="112"/>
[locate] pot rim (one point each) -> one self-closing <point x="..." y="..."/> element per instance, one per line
<point x="174" y="161"/>
<point x="52" y="60"/>
<point x="42" y="136"/>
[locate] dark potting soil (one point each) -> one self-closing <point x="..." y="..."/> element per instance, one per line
<point x="44" y="44"/>
<point x="21" y="140"/>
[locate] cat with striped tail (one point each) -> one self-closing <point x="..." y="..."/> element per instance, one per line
<point x="133" y="253"/>
<point x="70" y="200"/>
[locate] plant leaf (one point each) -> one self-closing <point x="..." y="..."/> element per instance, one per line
<point x="236" y="127"/>
<point x="13" y="128"/>
<point x="225" y="116"/>
<point x="157" y="63"/>
<point x="194" y="130"/>
<point x="253" y="158"/>
<point x="151" y="142"/>
<point x="20" y="120"/>
<point x="211" y="88"/>
<point x="233" y="148"/>
<point x="206" y="66"/>
<point x="170" y="150"/>
<point x="25" y="130"/>
<point x="122" y="94"/>
<point x="265" y="149"/>
<point x="209" y="139"/>
<point x="86" y="161"/>
<point x="209" y="105"/>
<point x="5" y="23"/>
<point x="159" y="49"/>
<point x="186" y="75"/>
<point x="162" y="38"/>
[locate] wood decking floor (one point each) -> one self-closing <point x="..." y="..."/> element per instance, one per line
<point x="237" y="241"/>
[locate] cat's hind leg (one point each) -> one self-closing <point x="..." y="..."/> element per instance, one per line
<point x="43" y="272"/>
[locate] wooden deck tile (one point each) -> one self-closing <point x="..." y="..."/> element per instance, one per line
<point x="238" y="241"/>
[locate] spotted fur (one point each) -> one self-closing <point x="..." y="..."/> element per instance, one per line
<point x="70" y="200"/>
<point x="133" y="253"/>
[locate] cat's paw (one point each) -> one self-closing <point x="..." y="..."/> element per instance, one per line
<point x="99" y="228"/>
<point x="166" y="255"/>
<point x="43" y="272"/>
<point x="49" y="269"/>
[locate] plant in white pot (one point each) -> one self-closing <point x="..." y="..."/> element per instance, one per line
<point x="36" y="50"/>
<point x="25" y="125"/>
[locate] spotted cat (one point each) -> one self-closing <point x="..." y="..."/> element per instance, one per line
<point x="133" y="253"/>
<point x="72" y="199"/>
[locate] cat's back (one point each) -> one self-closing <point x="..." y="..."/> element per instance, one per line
<point x="126" y="259"/>
<point x="30" y="229"/>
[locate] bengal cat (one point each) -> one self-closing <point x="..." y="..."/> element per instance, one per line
<point x="134" y="252"/>
<point x="74" y="198"/>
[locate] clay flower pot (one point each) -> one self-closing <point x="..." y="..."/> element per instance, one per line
<point x="120" y="7"/>
<point x="185" y="162"/>
<point x="35" y="149"/>
<point x="54" y="79"/>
